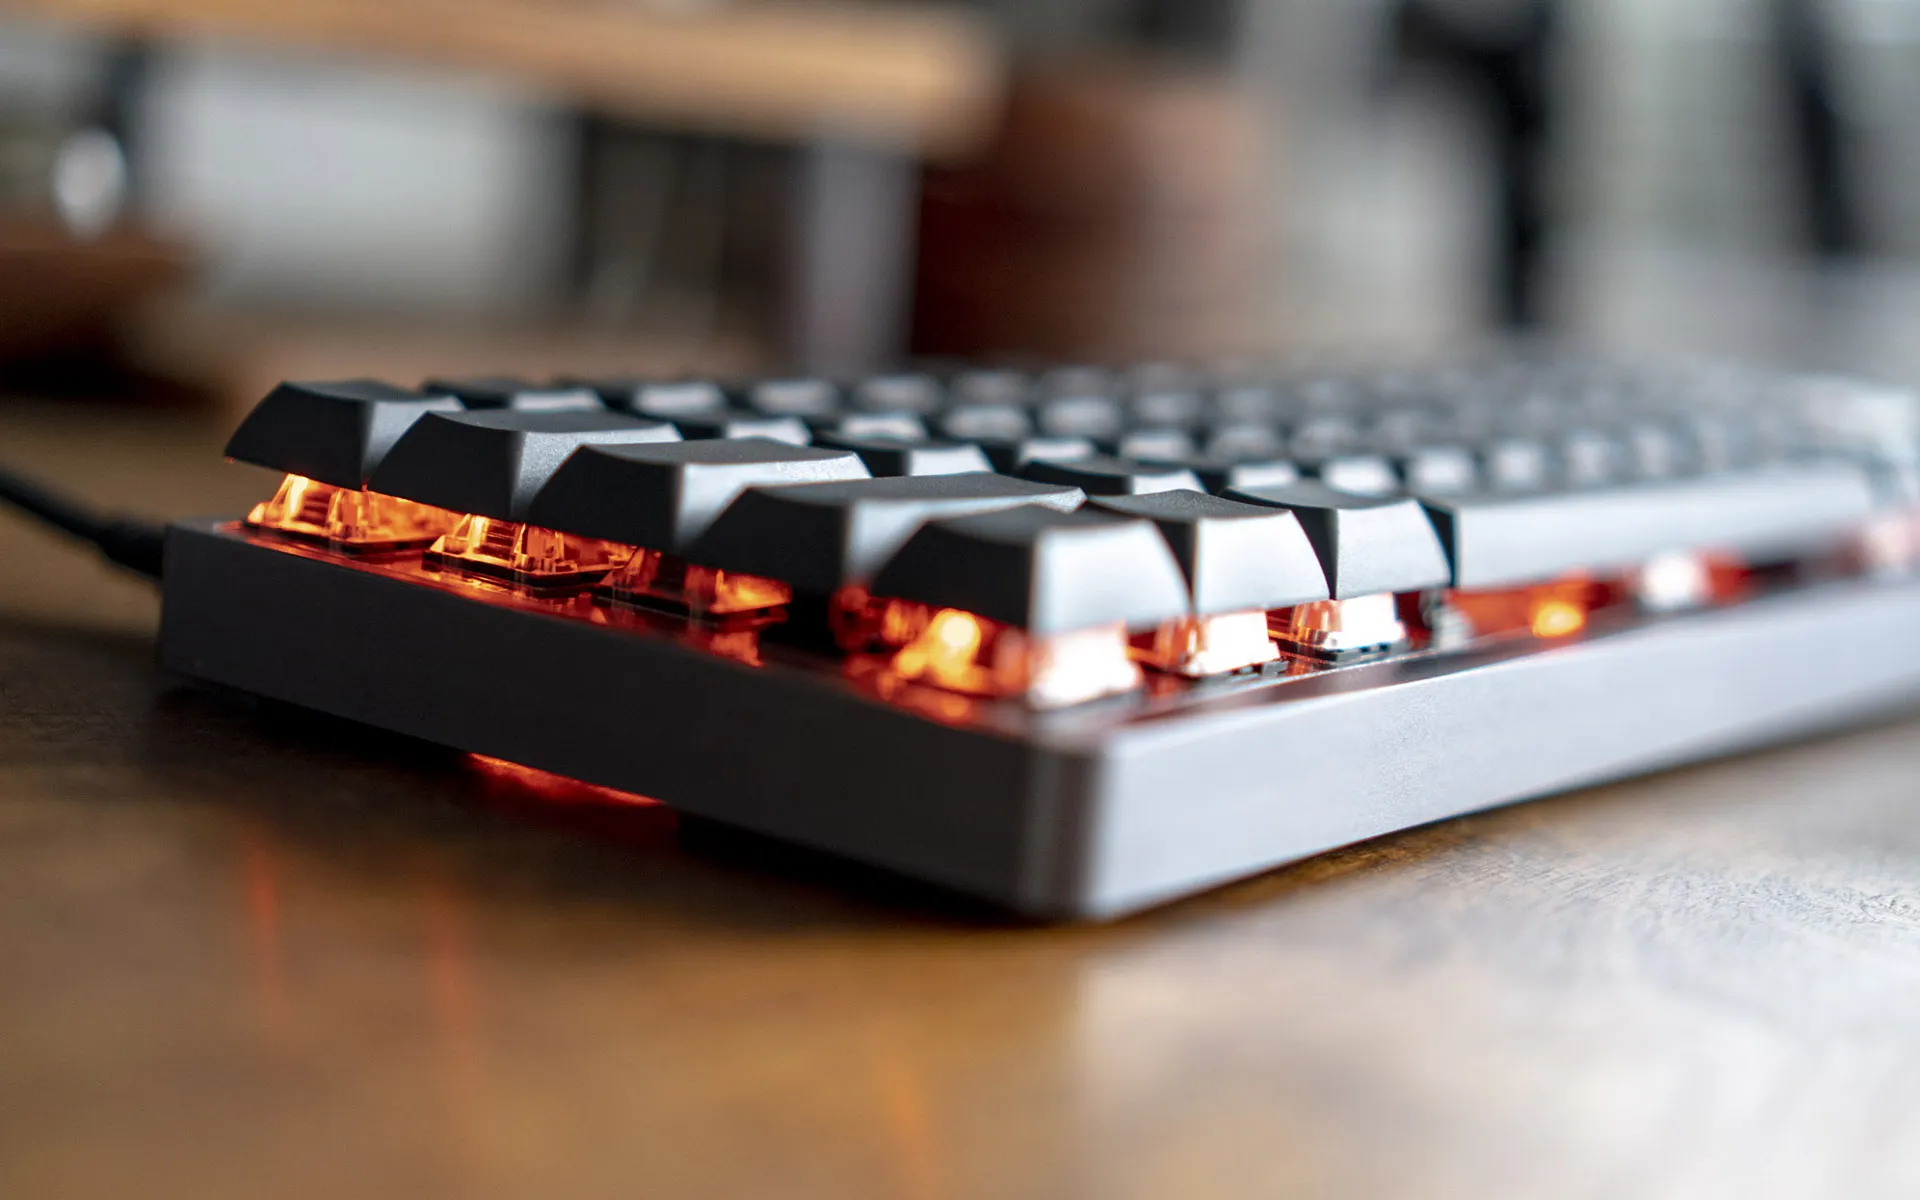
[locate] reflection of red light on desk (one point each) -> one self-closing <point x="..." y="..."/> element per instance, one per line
<point x="545" y="785"/>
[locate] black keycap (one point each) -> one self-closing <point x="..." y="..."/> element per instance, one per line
<point x="661" y="399"/>
<point x="1077" y="381"/>
<point x="1497" y="541"/>
<point x="1218" y="475"/>
<point x="1722" y="441"/>
<point x="1589" y="458"/>
<point x="822" y="536"/>
<point x="1236" y="556"/>
<point x="1081" y="416"/>
<point x="1104" y="476"/>
<point x="1398" y="430"/>
<point x="989" y="387"/>
<point x="505" y="392"/>
<point x="1243" y="440"/>
<point x="1360" y="474"/>
<point x="675" y="399"/>
<point x="1366" y="544"/>
<point x="1152" y="443"/>
<point x="1515" y="464"/>
<point x="335" y="432"/>
<point x="1043" y="571"/>
<point x="1322" y="434"/>
<point x="664" y="496"/>
<point x="983" y="422"/>
<point x="1436" y="470"/>
<point x="899" y="456"/>
<point x="898" y="425"/>
<point x="1654" y="450"/>
<point x="1142" y="378"/>
<point x="1257" y="403"/>
<point x="492" y="463"/>
<point x="898" y="393"/>
<point x="787" y="397"/>
<point x="704" y="426"/>
<point x="1008" y="455"/>
<point x="1167" y="408"/>
<point x="615" y="391"/>
<point x="1332" y="400"/>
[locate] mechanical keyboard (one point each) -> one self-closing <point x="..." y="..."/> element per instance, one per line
<point x="1078" y="640"/>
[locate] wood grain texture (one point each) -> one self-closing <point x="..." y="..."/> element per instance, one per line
<point x="245" y="951"/>
<point x="901" y="75"/>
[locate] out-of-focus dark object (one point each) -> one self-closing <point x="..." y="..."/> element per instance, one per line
<point x="1507" y="53"/>
<point x="1809" y="67"/>
<point x="1122" y="211"/>
<point x="1199" y="29"/>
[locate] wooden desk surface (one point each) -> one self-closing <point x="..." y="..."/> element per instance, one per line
<point x="245" y="952"/>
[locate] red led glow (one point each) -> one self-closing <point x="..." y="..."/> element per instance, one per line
<point x="863" y="622"/>
<point x="666" y="580"/>
<point x="1216" y="645"/>
<point x="524" y="554"/>
<point x="1363" y="623"/>
<point x="971" y="655"/>
<point x="1557" y="609"/>
<point x="355" y="521"/>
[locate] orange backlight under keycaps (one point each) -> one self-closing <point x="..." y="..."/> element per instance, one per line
<point x="526" y="554"/>
<point x="354" y="520"/>
<point x="1558" y="618"/>
<point x="1198" y="646"/>
<point x="666" y="580"/>
<point x="1558" y="609"/>
<point x="966" y="653"/>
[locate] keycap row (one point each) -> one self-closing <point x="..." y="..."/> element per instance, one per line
<point x="1653" y="433"/>
<point x="815" y="516"/>
<point x="342" y="428"/>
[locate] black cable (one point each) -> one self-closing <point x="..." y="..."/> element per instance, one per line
<point x="136" y="545"/>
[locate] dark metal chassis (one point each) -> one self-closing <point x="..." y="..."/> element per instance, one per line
<point x="1089" y="812"/>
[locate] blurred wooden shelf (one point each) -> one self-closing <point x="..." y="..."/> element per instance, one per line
<point x="235" y="357"/>
<point x="912" y="77"/>
<point x="57" y="290"/>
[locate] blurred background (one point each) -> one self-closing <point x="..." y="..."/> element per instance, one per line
<point x="199" y="197"/>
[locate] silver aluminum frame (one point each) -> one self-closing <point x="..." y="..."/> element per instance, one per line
<point x="1087" y="813"/>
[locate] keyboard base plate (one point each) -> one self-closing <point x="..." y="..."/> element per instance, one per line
<point x="1087" y="813"/>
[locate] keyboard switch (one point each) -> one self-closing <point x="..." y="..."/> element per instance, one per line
<point x="1240" y="560"/>
<point x="1027" y="604"/>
